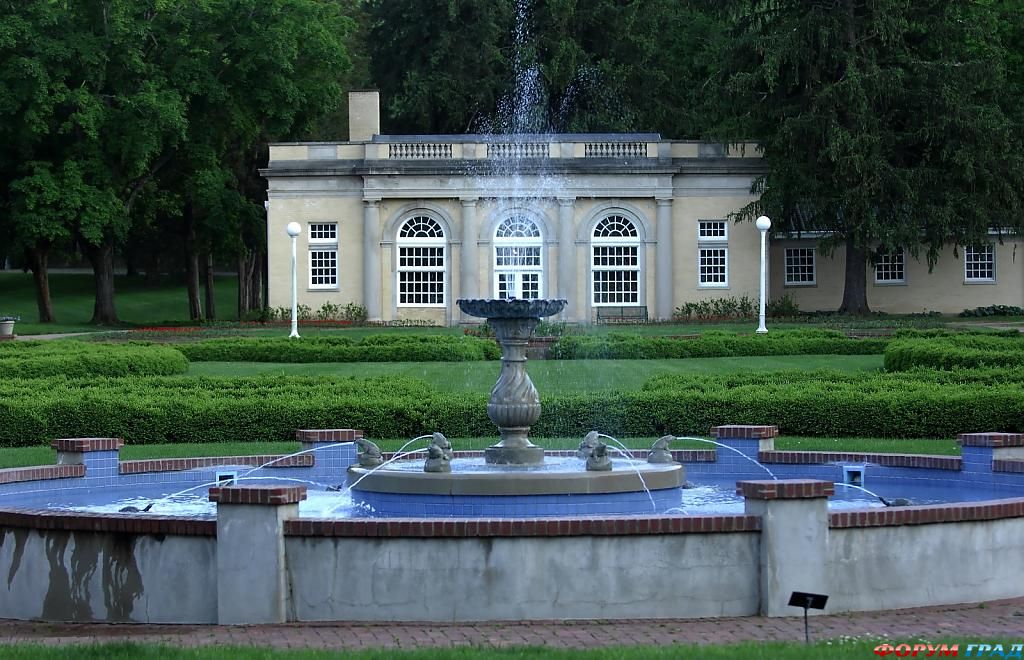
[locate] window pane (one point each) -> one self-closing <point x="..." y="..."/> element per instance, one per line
<point x="712" y="266"/>
<point x="323" y="268"/>
<point x="980" y="263"/>
<point x="890" y="267"/>
<point x="800" y="266"/>
<point x="711" y="230"/>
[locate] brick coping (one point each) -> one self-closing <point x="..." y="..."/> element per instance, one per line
<point x="41" y="473"/>
<point x="992" y="439"/>
<point x="140" y="466"/>
<point x="131" y="523"/>
<point x="929" y="461"/>
<point x="928" y="514"/>
<point x="519" y="527"/>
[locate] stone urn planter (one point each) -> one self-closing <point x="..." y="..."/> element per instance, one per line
<point x="7" y="327"/>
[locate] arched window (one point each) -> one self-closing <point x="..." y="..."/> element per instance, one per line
<point x="421" y="263"/>
<point x="518" y="270"/>
<point x="615" y="262"/>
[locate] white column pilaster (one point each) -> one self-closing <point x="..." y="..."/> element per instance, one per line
<point x="469" y="264"/>
<point x="371" y="259"/>
<point x="567" y="255"/>
<point x="663" y="276"/>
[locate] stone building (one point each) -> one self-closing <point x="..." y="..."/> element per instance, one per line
<point x="622" y="226"/>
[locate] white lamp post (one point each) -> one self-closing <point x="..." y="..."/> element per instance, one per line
<point x="763" y="225"/>
<point x="294" y="229"/>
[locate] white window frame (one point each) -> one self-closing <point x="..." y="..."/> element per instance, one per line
<point x="712" y="238"/>
<point x="885" y="266"/>
<point x="626" y="244"/>
<point x="708" y="231"/>
<point x="414" y="243"/>
<point x="790" y="251"/>
<point x="322" y="244"/>
<point x="981" y="256"/>
<point x="530" y="242"/>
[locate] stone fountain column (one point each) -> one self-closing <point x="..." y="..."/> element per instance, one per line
<point x="514" y="405"/>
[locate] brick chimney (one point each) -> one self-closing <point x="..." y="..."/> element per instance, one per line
<point x="363" y="115"/>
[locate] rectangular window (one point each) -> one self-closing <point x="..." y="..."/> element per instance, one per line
<point x="616" y="271"/>
<point x="517" y="256"/>
<point x="890" y="268"/>
<point x="980" y="264"/>
<point x="323" y="232"/>
<point x="713" y="264"/>
<point x="323" y="269"/>
<point x="323" y="255"/>
<point x="421" y="276"/>
<point x="712" y="230"/>
<point x="712" y="254"/>
<point x="800" y="266"/>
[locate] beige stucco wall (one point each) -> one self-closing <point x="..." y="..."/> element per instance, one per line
<point x="347" y="212"/>
<point x="314" y="205"/>
<point x="943" y="289"/>
<point x="743" y="243"/>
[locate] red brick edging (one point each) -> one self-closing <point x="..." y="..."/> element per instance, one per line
<point x="140" y="466"/>
<point x="512" y="527"/>
<point x="994" y="440"/>
<point x="885" y="460"/>
<point x="745" y="431"/>
<point x="87" y="444"/>
<point x="260" y="495"/>
<point x="42" y="472"/>
<point x="132" y="523"/>
<point x="788" y="489"/>
<point x="925" y="515"/>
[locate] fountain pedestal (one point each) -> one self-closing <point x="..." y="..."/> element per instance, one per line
<point x="514" y="405"/>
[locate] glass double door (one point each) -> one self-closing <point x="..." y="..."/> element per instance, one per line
<point x="518" y="272"/>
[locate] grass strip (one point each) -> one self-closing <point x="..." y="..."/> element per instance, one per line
<point x="44" y="455"/>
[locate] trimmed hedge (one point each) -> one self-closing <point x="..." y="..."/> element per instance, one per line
<point x="956" y="351"/>
<point x="41" y="359"/>
<point x="713" y="344"/>
<point x="373" y="348"/>
<point x="178" y="409"/>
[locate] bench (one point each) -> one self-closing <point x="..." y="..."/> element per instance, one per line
<point x="630" y="314"/>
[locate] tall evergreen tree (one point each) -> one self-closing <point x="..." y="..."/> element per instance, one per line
<point x="880" y="123"/>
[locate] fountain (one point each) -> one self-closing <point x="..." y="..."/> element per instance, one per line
<point x="514" y="405"/>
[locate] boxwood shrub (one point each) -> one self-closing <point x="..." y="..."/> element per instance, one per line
<point x="179" y="409"/>
<point x="714" y="344"/>
<point x="373" y="348"/>
<point x="40" y="359"/>
<point x="956" y="351"/>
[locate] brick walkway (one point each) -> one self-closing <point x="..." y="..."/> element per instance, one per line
<point x="1002" y="619"/>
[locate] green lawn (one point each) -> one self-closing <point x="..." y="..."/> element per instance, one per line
<point x="854" y="649"/>
<point x="73" y="295"/>
<point x="547" y="375"/>
<point x="25" y="456"/>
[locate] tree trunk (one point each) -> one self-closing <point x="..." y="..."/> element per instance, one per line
<point x="102" y="259"/>
<point x="39" y="257"/>
<point x="208" y="303"/>
<point x="250" y="282"/>
<point x="195" y="312"/>
<point x="855" y="289"/>
<point x="244" y="272"/>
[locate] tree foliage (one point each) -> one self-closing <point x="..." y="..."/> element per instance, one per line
<point x="881" y="123"/>
<point x="122" y="114"/>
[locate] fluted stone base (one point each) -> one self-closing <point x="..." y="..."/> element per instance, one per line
<point x="500" y="455"/>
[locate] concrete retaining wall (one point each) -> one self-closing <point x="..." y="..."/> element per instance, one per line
<point x="477" y="579"/>
<point x="881" y="568"/>
<point x="58" y="575"/>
